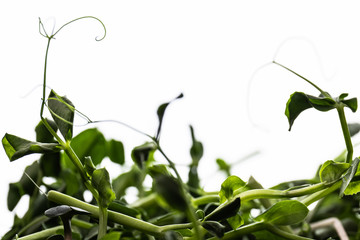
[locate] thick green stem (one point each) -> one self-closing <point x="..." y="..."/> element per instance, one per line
<point x="285" y="234"/>
<point x="116" y="217"/>
<point x="346" y="133"/>
<point x="320" y="194"/>
<point x="43" y="234"/>
<point x="103" y="216"/>
<point x="236" y="234"/>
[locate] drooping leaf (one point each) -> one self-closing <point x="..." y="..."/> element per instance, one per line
<point x="42" y="133"/>
<point x="225" y="211"/>
<point x="332" y="171"/>
<point x="354" y="128"/>
<point x="349" y="176"/>
<point x="196" y="150"/>
<point x="90" y="142"/>
<point x="141" y="153"/>
<point x="116" y="151"/>
<point x="286" y="212"/>
<point x="229" y="186"/>
<point x="161" y="113"/>
<point x="299" y="102"/>
<point x="215" y="228"/>
<point x="170" y="189"/>
<point x="14" y="195"/>
<point x="16" y="147"/>
<point x="62" y="111"/>
<point x="101" y="182"/>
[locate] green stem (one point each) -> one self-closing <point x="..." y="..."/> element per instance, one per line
<point x="205" y="199"/>
<point x="236" y="234"/>
<point x="320" y="194"/>
<point x="176" y="226"/>
<point x="103" y="216"/>
<point x="346" y="133"/>
<point x="43" y="234"/>
<point x="122" y="219"/>
<point x="285" y="234"/>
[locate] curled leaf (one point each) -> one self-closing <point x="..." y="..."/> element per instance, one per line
<point x="332" y="171"/>
<point x="229" y="186"/>
<point x="101" y="182"/>
<point x="141" y="154"/>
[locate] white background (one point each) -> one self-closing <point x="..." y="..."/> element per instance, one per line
<point x="209" y="50"/>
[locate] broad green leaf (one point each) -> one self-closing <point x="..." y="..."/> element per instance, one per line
<point x="62" y="110"/>
<point x="285" y="212"/>
<point x="42" y="133"/>
<point x="134" y="177"/>
<point x="161" y="113"/>
<point x="141" y="154"/>
<point x="115" y="150"/>
<point x="299" y="102"/>
<point x="90" y="142"/>
<point x="16" y="147"/>
<point x="114" y="235"/>
<point x="354" y="128"/>
<point x="351" y="103"/>
<point x="331" y="171"/>
<point x="349" y="176"/>
<point x="214" y="228"/>
<point x="72" y="181"/>
<point x="223" y="166"/>
<point x="352" y="188"/>
<point x="101" y="182"/>
<point x="50" y="164"/>
<point x="235" y="221"/>
<point x="229" y="186"/>
<point x="14" y="195"/>
<point x="170" y="189"/>
<point x="225" y="211"/>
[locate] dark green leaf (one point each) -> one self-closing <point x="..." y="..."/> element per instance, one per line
<point x="214" y="228"/>
<point x="170" y="189"/>
<point x="16" y="147"/>
<point x="351" y="103"/>
<point x="354" y="128"/>
<point x="62" y="110"/>
<point x="229" y="186"/>
<point x="161" y="112"/>
<point x="299" y="102"/>
<point x="285" y="212"/>
<point x="134" y="177"/>
<point x="141" y="153"/>
<point x="90" y="142"/>
<point x="89" y="165"/>
<point x="116" y="151"/>
<point x="43" y="134"/>
<point x="14" y="195"/>
<point x="196" y="150"/>
<point x="331" y="171"/>
<point x="50" y="164"/>
<point x="225" y="211"/>
<point x="193" y="180"/>
<point x="349" y="176"/>
<point x="101" y="182"/>
<point x="72" y="181"/>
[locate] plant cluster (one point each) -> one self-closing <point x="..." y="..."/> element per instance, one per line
<point x="172" y="208"/>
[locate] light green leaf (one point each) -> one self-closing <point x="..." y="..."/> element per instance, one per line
<point x="229" y="186"/>
<point x="331" y="171"/>
<point x="285" y="212"/>
<point x="349" y="176"/>
<point x="235" y="221"/>
<point x="16" y="147"/>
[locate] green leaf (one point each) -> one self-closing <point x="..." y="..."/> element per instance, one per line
<point x="349" y="176"/>
<point x="90" y="142"/>
<point x="196" y="150"/>
<point x="101" y="182"/>
<point x="115" y="235"/>
<point x="141" y="154"/>
<point x="16" y="147"/>
<point x="89" y="165"/>
<point x="158" y="169"/>
<point x="116" y="151"/>
<point x="161" y="113"/>
<point x="287" y="212"/>
<point x="331" y="171"/>
<point x="235" y="221"/>
<point x="170" y="189"/>
<point x="50" y="164"/>
<point x="299" y="102"/>
<point x="14" y="195"/>
<point x="354" y="128"/>
<point x="72" y="181"/>
<point x="223" y="166"/>
<point x="229" y="186"/>
<point x="214" y="228"/>
<point x="225" y="211"/>
<point x="43" y="134"/>
<point x="351" y="103"/>
<point x="62" y="111"/>
<point x="134" y="177"/>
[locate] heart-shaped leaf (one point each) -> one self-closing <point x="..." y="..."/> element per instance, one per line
<point x="229" y="186"/>
<point x="62" y="110"/>
<point x="16" y="147"/>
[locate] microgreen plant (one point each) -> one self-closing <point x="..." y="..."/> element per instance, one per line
<point x="172" y="208"/>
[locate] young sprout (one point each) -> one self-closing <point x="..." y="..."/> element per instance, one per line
<point x="65" y="212"/>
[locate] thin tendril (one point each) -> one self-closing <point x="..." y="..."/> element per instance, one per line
<point x="35" y="183"/>
<point x="32" y="90"/>
<point x="41" y="26"/>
